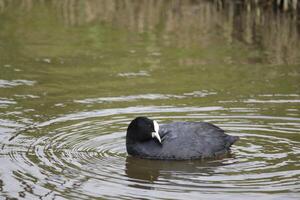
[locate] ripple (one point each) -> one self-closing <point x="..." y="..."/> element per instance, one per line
<point x="129" y="110"/>
<point x="6" y="102"/>
<point x="145" y="96"/>
<point x="273" y="101"/>
<point x="134" y="74"/>
<point x="13" y="83"/>
<point x="127" y="98"/>
<point x="83" y="155"/>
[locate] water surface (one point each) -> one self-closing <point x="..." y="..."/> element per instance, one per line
<point x="73" y="74"/>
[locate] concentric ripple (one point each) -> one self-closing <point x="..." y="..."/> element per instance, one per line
<point x="84" y="156"/>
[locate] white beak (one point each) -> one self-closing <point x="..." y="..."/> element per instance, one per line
<point x="156" y="129"/>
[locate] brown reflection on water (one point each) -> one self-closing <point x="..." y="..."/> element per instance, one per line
<point x="270" y="27"/>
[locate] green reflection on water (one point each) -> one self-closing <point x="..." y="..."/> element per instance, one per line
<point x="65" y="57"/>
<point x="72" y="57"/>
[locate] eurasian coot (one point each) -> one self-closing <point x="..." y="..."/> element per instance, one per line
<point x="177" y="140"/>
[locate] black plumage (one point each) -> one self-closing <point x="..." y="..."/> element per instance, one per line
<point x="179" y="140"/>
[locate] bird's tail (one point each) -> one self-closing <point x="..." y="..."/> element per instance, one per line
<point x="231" y="140"/>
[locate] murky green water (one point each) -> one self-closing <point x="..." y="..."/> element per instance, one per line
<point x="73" y="74"/>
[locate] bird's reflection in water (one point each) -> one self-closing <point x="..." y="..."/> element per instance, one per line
<point x="143" y="171"/>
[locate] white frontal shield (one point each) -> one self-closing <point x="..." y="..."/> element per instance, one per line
<point x="156" y="129"/>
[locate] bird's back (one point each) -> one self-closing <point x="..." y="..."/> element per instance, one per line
<point x="186" y="140"/>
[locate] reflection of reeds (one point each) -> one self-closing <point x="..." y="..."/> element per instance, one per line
<point x="271" y="26"/>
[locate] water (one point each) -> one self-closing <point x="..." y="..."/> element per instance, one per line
<point x="73" y="74"/>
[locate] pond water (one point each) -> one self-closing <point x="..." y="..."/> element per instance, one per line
<point x="73" y="74"/>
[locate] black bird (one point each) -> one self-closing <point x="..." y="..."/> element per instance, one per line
<point x="177" y="140"/>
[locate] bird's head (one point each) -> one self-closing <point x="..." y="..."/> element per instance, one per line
<point x="142" y="129"/>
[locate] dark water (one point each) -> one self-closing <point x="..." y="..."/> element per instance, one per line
<point x="74" y="73"/>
